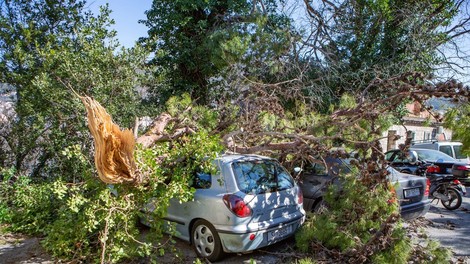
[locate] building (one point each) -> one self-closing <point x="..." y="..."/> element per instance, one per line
<point x="420" y="124"/>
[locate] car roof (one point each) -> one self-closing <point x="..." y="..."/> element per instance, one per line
<point x="430" y="150"/>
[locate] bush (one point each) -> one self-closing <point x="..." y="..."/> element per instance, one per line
<point x="360" y="227"/>
<point x="357" y="222"/>
<point x="27" y="207"/>
<point x="90" y="221"/>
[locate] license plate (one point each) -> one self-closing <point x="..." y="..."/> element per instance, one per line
<point x="279" y="233"/>
<point x="412" y="192"/>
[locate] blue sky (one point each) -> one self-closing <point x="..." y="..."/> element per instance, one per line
<point x="126" y="14"/>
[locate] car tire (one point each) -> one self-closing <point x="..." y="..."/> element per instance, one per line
<point x="455" y="199"/>
<point x="205" y="241"/>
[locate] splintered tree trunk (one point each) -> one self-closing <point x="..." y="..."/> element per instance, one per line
<point x="114" y="148"/>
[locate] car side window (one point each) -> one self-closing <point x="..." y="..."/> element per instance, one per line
<point x="316" y="168"/>
<point x="446" y="149"/>
<point x="320" y="169"/>
<point x="401" y="157"/>
<point x="202" y="180"/>
<point x="388" y="156"/>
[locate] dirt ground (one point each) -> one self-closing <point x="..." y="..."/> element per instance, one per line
<point x="18" y="249"/>
<point x="21" y="249"/>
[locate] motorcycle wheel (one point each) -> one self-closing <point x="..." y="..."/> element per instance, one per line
<point x="455" y="199"/>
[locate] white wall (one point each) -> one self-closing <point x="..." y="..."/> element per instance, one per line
<point x="420" y="133"/>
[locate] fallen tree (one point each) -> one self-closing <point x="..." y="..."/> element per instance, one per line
<point x="353" y="126"/>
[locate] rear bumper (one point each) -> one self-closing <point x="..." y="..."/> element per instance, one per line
<point x="415" y="210"/>
<point x="251" y="240"/>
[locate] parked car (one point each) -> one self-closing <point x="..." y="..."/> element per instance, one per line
<point x="251" y="202"/>
<point x="451" y="148"/>
<point x="412" y="191"/>
<point x="408" y="163"/>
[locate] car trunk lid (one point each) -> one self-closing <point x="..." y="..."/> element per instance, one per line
<point x="411" y="189"/>
<point x="268" y="207"/>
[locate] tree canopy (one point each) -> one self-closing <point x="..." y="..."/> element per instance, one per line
<point x="197" y="42"/>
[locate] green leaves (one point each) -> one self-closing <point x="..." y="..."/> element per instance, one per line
<point x="197" y="42"/>
<point x="458" y="119"/>
<point x="355" y="213"/>
<point x="80" y="53"/>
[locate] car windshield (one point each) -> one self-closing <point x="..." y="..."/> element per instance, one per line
<point x="458" y="152"/>
<point x="433" y="155"/>
<point x="261" y="176"/>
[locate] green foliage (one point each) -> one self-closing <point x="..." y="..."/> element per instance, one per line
<point x="458" y="119"/>
<point x="198" y="40"/>
<point x="28" y="207"/>
<point x="347" y="101"/>
<point x="5" y="193"/>
<point x="432" y="252"/>
<point x="400" y="252"/>
<point x="68" y="50"/>
<point x="93" y="222"/>
<point x="305" y="261"/>
<point x="89" y="221"/>
<point x="355" y="213"/>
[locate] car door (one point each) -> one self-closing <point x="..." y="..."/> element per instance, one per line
<point x="203" y="205"/>
<point x="314" y="182"/>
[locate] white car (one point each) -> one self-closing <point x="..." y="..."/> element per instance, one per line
<point x="251" y="202"/>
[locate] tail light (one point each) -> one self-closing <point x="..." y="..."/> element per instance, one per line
<point x="236" y="204"/>
<point x="462" y="167"/>
<point x="428" y="184"/>
<point x="300" y="196"/>
<point x="457" y="182"/>
<point x="433" y="169"/>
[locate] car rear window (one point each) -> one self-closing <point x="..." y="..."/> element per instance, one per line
<point x="433" y="156"/>
<point x="261" y="176"/>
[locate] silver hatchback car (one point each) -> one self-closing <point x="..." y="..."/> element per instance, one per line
<point x="251" y="202"/>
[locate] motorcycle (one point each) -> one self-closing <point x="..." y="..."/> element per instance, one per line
<point x="443" y="187"/>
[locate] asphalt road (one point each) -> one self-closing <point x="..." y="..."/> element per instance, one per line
<point x="451" y="228"/>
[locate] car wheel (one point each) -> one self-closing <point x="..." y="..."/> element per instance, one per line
<point x="455" y="199"/>
<point x="206" y="241"/>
